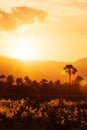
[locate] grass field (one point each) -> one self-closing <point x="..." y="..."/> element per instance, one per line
<point x="43" y="113"/>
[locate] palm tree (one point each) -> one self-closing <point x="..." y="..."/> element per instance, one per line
<point x="70" y="70"/>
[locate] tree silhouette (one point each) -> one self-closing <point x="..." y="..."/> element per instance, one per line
<point x="10" y="79"/>
<point x="57" y="83"/>
<point x="43" y="82"/>
<point x="78" y="80"/>
<point x="70" y="70"/>
<point x="27" y="80"/>
<point x="2" y="77"/>
<point x="19" y="81"/>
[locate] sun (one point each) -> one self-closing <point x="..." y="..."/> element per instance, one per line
<point x="24" y="51"/>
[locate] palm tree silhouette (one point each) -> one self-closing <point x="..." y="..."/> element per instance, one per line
<point x="70" y="70"/>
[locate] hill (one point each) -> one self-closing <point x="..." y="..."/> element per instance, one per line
<point x="50" y="70"/>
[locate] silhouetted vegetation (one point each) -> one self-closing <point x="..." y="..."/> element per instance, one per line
<point x="27" y="104"/>
<point x="43" y="113"/>
<point x="70" y="70"/>
<point x="19" y="87"/>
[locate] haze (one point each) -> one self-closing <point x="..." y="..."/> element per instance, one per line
<point x="50" y="30"/>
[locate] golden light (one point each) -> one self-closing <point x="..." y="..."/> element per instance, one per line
<point x="63" y="72"/>
<point x="83" y="83"/>
<point x="24" y="50"/>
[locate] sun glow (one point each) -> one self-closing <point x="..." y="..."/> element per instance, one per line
<point x="24" y="50"/>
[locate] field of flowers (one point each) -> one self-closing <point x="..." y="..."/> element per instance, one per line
<point x="37" y="114"/>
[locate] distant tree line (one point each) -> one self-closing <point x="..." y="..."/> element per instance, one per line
<point x="20" y="87"/>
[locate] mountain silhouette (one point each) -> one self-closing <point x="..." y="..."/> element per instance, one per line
<point x="50" y="70"/>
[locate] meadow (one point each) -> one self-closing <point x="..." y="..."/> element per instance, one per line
<point x="43" y="113"/>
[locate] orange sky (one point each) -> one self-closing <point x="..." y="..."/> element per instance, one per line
<point x="45" y="29"/>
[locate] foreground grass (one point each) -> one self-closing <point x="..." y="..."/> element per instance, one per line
<point x="36" y="114"/>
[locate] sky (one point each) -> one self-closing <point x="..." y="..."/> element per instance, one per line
<point x="43" y="29"/>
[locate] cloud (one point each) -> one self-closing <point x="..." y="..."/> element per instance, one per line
<point x="72" y="25"/>
<point x="6" y="21"/>
<point x="82" y="1"/>
<point x="69" y="15"/>
<point x="19" y="16"/>
<point x="62" y="9"/>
